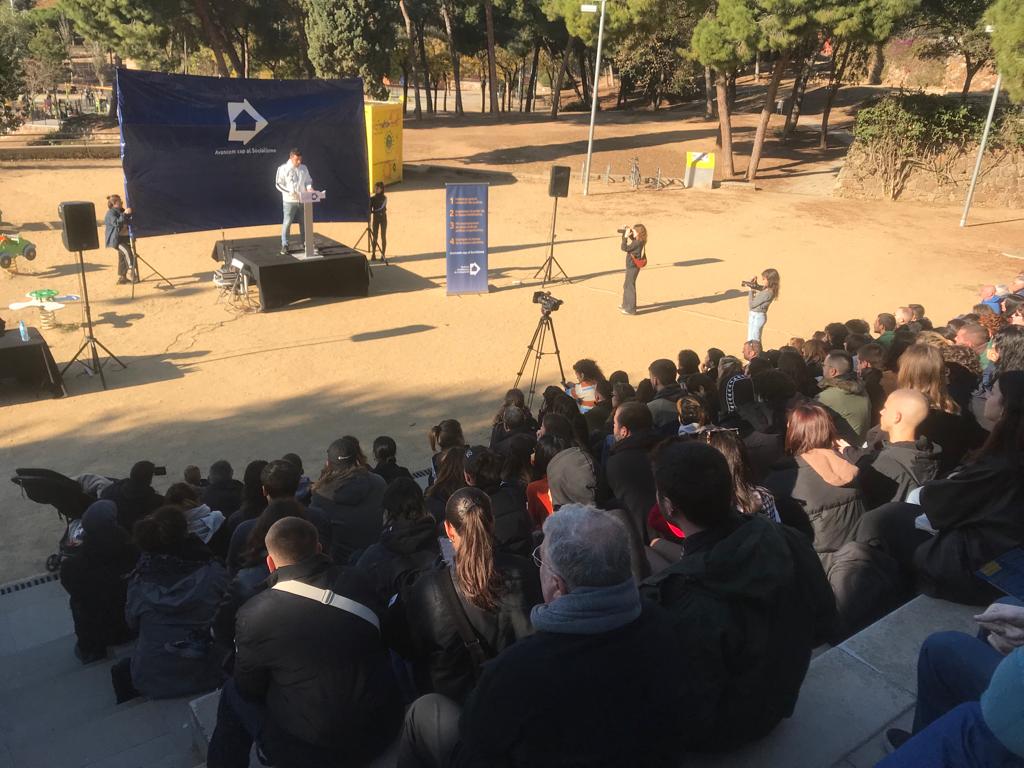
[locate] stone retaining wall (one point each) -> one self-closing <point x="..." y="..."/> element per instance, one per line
<point x="1000" y="185"/>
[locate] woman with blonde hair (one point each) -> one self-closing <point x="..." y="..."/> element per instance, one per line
<point x="922" y="368"/>
<point x="634" y="243"/>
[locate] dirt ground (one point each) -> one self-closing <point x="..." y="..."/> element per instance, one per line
<point x="205" y="381"/>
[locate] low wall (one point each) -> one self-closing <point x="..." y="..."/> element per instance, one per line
<point x="61" y="152"/>
<point x="1000" y="185"/>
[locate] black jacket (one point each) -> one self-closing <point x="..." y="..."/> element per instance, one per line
<point x="588" y="701"/>
<point x="749" y="602"/>
<point x="133" y="501"/>
<point x="955" y="433"/>
<point x="889" y="474"/>
<point x="872" y="378"/>
<point x="96" y="578"/>
<point x="391" y="471"/>
<point x="405" y="549"/>
<point x="323" y="673"/>
<point x="598" y="418"/>
<point x="353" y="506"/>
<point x="513" y="530"/>
<point x="427" y="634"/>
<point x="834" y="507"/>
<point x="979" y="514"/>
<point x="225" y="496"/>
<point x="507" y="441"/>
<point x="630" y="479"/>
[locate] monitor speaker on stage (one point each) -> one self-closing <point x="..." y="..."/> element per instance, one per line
<point x="78" y="222"/>
<point x="558" y="186"/>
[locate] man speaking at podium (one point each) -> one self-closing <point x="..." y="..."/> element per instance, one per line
<point x="292" y="177"/>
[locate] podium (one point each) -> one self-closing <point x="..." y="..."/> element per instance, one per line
<point x="307" y="197"/>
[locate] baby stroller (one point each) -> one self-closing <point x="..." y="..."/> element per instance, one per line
<point x="44" y="486"/>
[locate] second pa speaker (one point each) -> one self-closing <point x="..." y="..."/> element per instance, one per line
<point x="558" y="185"/>
<point x="78" y="226"/>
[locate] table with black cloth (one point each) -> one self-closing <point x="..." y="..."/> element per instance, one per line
<point x="339" y="272"/>
<point x="30" y="362"/>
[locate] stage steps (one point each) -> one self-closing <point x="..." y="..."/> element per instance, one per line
<point x="56" y="712"/>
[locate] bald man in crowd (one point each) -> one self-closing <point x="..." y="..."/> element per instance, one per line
<point x="905" y="460"/>
<point x="904" y="315"/>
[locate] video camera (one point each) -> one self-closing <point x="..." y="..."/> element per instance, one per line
<point x="548" y="303"/>
<point x="752" y="285"/>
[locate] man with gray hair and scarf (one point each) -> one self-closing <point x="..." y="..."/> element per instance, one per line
<point x="592" y="686"/>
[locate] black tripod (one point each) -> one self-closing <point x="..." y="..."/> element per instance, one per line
<point x="551" y="261"/>
<point x="135" y="271"/>
<point x="95" y="366"/>
<point x="544" y="326"/>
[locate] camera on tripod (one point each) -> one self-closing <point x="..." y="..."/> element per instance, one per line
<point x="752" y="285"/>
<point x="548" y="303"/>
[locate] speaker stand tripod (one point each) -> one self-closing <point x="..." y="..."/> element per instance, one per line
<point x="550" y="262"/>
<point x="536" y="347"/>
<point x="153" y="270"/>
<point x="93" y="366"/>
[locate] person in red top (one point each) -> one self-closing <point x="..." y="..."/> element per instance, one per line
<point x="538" y="501"/>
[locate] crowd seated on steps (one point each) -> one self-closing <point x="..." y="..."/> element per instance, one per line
<point x="578" y="560"/>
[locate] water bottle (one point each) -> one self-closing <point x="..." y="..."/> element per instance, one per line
<point x="23" y="330"/>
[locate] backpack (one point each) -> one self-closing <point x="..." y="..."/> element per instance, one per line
<point x="867" y="584"/>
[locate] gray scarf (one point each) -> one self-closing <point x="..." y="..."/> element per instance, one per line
<point x="589" y="610"/>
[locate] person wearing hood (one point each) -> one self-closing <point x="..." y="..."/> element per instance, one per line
<point x="134" y="496"/>
<point x="845" y="395"/>
<point x="818" y="479"/>
<point x="741" y="411"/>
<point x="630" y="484"/>
<point x="748" y="598"/>
<point x="349" y="495"/>
<point x="467" y="609"/>
<point x="204" y="523"/>
<point x="513" y="429"/>
<point x="568" y="694"/>
<point x="666" y="393"/>
<point x="172" y="598"/>
<point x="408" y="544"/>
<point x="95" y="577"/>
<point x="904" y="461"/>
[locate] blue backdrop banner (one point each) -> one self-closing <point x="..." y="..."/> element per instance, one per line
<point x="201" y="153"/>
<point x="465" y="211"/>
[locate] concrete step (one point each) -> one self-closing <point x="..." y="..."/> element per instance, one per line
<point x="33" y="616"/>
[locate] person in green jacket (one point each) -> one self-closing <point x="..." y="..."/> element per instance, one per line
<point x="844" y="394"/>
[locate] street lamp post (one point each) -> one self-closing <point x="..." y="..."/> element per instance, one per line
<point x="984" y="141"/>
<point x="588" y="8"/>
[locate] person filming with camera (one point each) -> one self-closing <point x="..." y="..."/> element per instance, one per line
<point x="634" y="243"/>
<point x="761" y="297"/>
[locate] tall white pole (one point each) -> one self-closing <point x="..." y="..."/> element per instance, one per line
<point x="593" y="106"/>
<point x="981" y="150"/>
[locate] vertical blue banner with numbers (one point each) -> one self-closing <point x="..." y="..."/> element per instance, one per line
<point x="465" y="234"/>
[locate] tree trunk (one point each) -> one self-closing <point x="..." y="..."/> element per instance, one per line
<point x="224" y="31"/>
<point x="581" y="62"/>
<point x="556" y="89"/>
<point x="405" y="90"/>
<point x="212" y="36"/>
<point x="483" y="85"/>
<point x="492" y="74"/>
<point x="446" y="94"/>
<point x="454" y="55"/>
<point x="410" y="56"/>
<point x="732" y="90"/>
<point x="425" y="67"/>
<point x="972" y="70"/>
<point x="709" y="99"/>
<point x="531" y="88"/>
<point x="766" y="115"/>
<point x="877" y="64"/>
<point x="841" y="57"/>
<point x="724" y="123"/>
<point x="794" y="95"/>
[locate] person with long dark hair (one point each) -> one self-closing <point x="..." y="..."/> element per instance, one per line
<point x="479" y="591"/>
<point x="484" y="469"/>
<point x="253" y="500"/>
<point x="761" y="297"/>
<point x="116" y="235"/>
<point x="634" y="243"/>
<point x="451" y="476"/>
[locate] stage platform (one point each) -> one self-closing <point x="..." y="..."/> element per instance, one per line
<point x="340" y="272"/>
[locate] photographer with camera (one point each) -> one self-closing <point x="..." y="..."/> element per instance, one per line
<point x="761" y="297"/>
<point x="634" y="243"/>
<point x="117" y="236"/>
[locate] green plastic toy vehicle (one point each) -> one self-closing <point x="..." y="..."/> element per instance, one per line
<point x="13" y="246"/>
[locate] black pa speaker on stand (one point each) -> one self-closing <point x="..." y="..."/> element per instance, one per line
<point x="78" y="231"/>
<point x="558" y="186"/>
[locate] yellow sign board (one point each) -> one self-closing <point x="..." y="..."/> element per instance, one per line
<point x="384" y="141"/>
<point x="700" y="170"/>
<point x="700" y="160"/>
